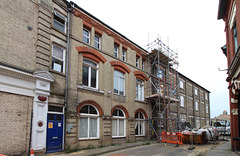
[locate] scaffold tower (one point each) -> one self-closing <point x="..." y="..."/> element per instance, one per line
<point x="163" y="89"/>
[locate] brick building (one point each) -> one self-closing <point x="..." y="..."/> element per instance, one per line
<point x="229" y="11"/>
<point x="69" y="80"/>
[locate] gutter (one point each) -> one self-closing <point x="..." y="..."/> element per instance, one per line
<point x="70" y="9"/>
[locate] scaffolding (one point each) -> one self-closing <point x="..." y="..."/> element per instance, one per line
<point x="163" y="89"/>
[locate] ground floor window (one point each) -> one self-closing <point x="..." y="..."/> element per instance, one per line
<point x="88" y="123"/>
<point x="139" y="124"/>
<point x="118" y="123"/>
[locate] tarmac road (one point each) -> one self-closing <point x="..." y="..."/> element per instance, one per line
<point x="152" y="150"/>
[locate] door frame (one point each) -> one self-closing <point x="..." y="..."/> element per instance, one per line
<point x="63" y="127"/>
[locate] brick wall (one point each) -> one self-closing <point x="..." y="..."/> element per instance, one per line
<point x="18" y="32"/>
<point x="15" y="118"/>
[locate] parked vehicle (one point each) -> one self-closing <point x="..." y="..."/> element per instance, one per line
<point x="223" y="127"/>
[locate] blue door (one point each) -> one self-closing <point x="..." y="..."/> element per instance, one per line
<point x="54" y="133"/>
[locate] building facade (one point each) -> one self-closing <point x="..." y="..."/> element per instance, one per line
<point x="69" y="80"/>
<point x="194" y="102"/>
<point x="32" y="75"/>
<point x="229" y="11"/>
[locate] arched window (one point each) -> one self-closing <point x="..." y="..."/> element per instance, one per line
<point x="118" y="123"/>
<point x="139" y="124"/>
<point x="88" y="122"/>
<point x="90" y="74"/>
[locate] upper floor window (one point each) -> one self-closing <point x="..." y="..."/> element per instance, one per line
<point x="181" y="101"/>
<point x="58" y="59"/>
<point x="119" y="83"/>
<point x="140" y="90"/>
<point x="97" y="41"/>
<point x="124" y="55"/>
<point x="143" y="65"/>
<point x="59" y="21"/>
<point x="115" y="51"/>
<point x="181" y="84"/>
<point x="206" y="108"/>
<point x="137" y="61"/>
<point x="88" y="123"/>
<point x="196" y="91"/>
<point x="235" y="37"/>
<point x="118" y="123"/>
<point x="86" y="36"/>
<point x="206" y="96"/>
<point x="139" y="124"/>
<point x="90" y="74"/>
<point x="196" y="105"/>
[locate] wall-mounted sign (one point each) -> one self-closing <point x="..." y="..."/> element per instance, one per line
<point x="42" y="98"/>
<point x="50" y="125"/>
<point x="236" y="84"/>
<point x="234" y="111"/>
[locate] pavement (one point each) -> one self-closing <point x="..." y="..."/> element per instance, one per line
<point x="220" y="148"/>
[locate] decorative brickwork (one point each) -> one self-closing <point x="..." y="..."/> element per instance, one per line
<point x="120" y="66"/>
<point x="91" y="102"/>
<point x="91" y="54"/>
<point x="122" y="108"/>
<point x="140" y="75"/>
<point x="91" y="22"/>
<point x="142" y="111"/>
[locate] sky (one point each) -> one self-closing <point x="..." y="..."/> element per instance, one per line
<point x="189" y="27"/>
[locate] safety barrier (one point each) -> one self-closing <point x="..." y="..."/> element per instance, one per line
<point x="172" y="137"/>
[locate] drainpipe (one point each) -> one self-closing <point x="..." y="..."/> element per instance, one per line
<point x="70" y="9"/>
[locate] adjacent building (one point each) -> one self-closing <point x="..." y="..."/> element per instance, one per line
<point x="229" y="11"/>
<point x="69" y="80"/>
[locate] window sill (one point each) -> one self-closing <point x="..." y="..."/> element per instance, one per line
<point x="88" y="138"/>
<point x="140" y="135"/>
<point x="138" y="100"/>
<point x="63" y="33"/>
<point x="56" y="72"/>
<point x="115" y="137"/>
<point x="90" y="89"/>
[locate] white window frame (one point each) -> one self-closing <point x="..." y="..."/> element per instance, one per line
<point x="196" y="105"/>
<point x="89" y="73"/>
<point x="143" y="65"/>
<point x="88" y="116"/>
<point x="63" y="59"/>
<point x="139" y="121"/>
<point x="97" y="42"/>
<point x="124" y="55"/>
<point x="62" y="17"/>
<point x="232" y="15"/>
<point x="206" y="96"/>
<point x="197" y="122"/>
<point x="118" y="82"/>
<point x="139" y="89"/>
<point x="196" y="91"/>
<point x="181" y="101"/>
<point x="181" y="84"/>
<point x="183" y="117"/>
<point x="137" y="61"/>
<point x="88" y="37"/>
<point x="206" y="108"/>
<point x="120" y="118"/>
<point x="116" y="50"/>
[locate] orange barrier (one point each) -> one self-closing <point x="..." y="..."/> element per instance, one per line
<point x="172" y="137"/>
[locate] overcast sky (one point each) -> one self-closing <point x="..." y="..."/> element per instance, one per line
<point x="189" y="27"/>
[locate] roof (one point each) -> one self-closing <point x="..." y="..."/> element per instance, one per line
<point x="221" y="8"/>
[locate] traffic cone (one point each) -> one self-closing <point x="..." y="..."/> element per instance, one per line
<point x="32" y="153"/>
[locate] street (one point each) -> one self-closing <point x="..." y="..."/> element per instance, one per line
<point x="154" y="150"/>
